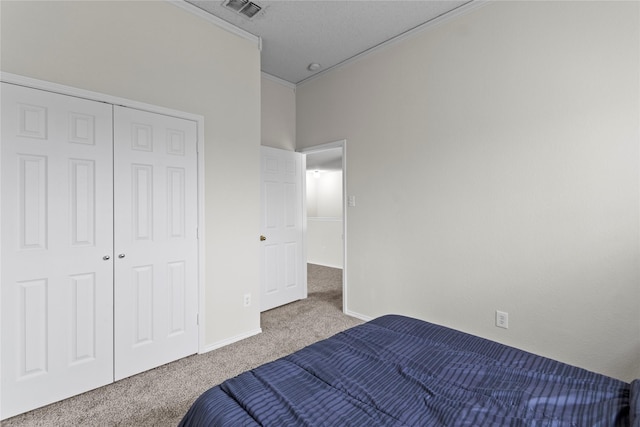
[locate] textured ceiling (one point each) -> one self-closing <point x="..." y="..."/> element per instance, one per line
<point x="297" y="33"/>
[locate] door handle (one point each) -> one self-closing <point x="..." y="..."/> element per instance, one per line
<point x="106" y="257"/>
<point x="262" y="238"/>
<point x="121" y="256"/>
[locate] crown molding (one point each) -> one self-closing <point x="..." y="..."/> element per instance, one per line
<point x="278" y="80"/>
<point x="445" y="17"/>
<point x="221" y="23"/>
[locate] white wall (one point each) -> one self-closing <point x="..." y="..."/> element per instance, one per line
<point x="495" y="162"/>
<point x="157" y="53"/>
<point x="324" y="242"/>
<point x="278" y="114"/>
<point x="324" y="194"/>
<point x="324" y="218"/>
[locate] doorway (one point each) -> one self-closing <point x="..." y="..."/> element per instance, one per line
<point x="325" y="183"/>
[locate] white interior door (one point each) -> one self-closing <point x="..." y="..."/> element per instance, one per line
<point x="155" y="240"/>
<point x="282" y="262"/>
<point x="57" y="223"/>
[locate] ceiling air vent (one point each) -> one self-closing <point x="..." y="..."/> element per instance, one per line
<point x="244" y="7"/>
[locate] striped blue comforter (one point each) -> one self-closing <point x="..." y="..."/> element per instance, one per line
<point x="399" y="371"/>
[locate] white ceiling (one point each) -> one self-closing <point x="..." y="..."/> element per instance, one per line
<point x="326" y="160"/>
<point x="296" y="33"/>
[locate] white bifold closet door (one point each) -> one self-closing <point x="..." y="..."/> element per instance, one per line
<point x="156" y="246"/>
<point x="99" y="244"/>
<point x="57" y="243"/>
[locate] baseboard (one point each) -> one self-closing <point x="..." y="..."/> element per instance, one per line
<point x="219" y="344"/>
<point x="358" y="315"/>
<point x="339" y="267"/>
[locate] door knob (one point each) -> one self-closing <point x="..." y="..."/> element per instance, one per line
<point x="121" y="256"/>
<point x="262" y="238"/>
<point x="106" y="257"/>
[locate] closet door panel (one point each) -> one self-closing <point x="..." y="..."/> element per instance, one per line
<point x="56" y="226"/>
<point x="156" y="240"/>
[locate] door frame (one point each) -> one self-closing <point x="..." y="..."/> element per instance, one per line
<point x="114" y="100"/>
<point x="342" y="144"/>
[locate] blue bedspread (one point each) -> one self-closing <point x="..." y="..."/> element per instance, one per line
<point x="399" y="371"/>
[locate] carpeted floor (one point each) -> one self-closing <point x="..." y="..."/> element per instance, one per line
<point x="161" y="396"/>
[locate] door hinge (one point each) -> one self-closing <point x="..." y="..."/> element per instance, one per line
<point x="198" y="319"/>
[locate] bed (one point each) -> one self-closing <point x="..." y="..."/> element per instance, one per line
<point x="400" y="371"/>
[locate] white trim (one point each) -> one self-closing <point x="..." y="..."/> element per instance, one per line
<point x="101" y="97"/>
<point x="278" y="80"/>
<point x="194" y="10"/>
<point x="327" y="265"/>
<point x="305" y="226"/>
<point x="438" y="20"/>
<point x="1" y="210"/>
<point x="323" y="147"/>
<point x="222" y="343"/>
<point x="345" y="300"/>
<point x="359" y="316"/>
<point x="202" y="271"/>
<point x="96" y="96"/>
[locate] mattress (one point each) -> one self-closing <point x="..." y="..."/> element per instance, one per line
<point x="400" y="371"/>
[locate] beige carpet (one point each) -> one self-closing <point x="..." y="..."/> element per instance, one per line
<point x="161" y="396"/>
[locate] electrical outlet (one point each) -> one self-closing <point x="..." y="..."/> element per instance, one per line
<point x="502" y="319"/>
<point x="247" y="300"/>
